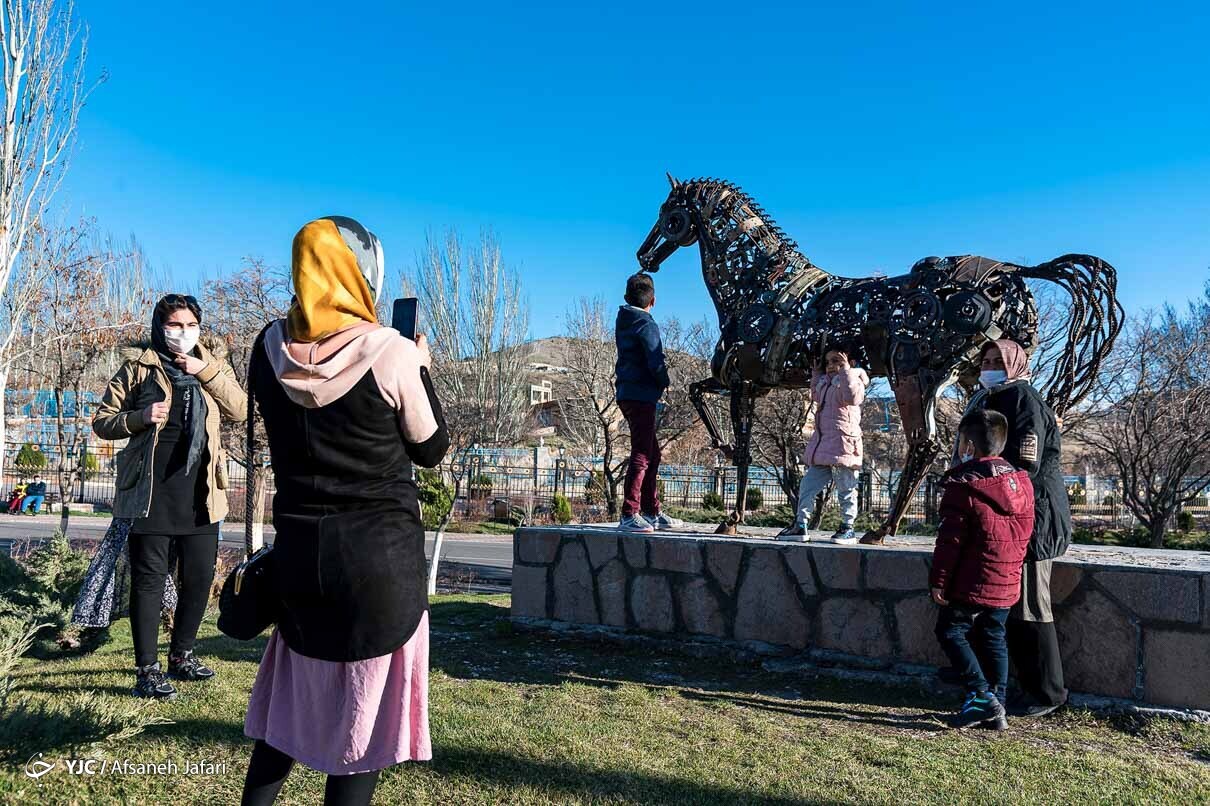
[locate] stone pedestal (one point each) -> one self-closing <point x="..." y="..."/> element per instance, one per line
<point x="1133" y="623"/>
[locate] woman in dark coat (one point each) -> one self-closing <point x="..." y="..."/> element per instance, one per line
<point x="348" y="407"/>
<point x="1035" y="446"/>
<point x="167" y="402"/>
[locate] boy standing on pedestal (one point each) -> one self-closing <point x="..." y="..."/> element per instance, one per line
<point x="642" y="377"/>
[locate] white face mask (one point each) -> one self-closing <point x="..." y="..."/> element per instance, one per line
<point x="182" y="341"/>
<point x="992" y="377"/>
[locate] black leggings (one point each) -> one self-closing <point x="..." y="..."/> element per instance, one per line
<point x="269" y="767"/>
<point x="150" y="563"/>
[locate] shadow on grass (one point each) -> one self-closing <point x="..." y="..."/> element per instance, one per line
<point x="558" y="780"/>
<point x="554" y="779"/>
<point x="474" y="640"/>
<point x="229" y="649"/>
<point x="203" y="732"/>
<point x="815" y="711"/>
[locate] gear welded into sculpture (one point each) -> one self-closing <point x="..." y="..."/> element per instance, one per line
<point x="778" y="313"/>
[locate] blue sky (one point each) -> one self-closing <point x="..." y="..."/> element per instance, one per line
<point x="875" y="134"/>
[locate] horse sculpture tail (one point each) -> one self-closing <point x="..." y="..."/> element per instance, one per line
<point x="1093" y="323"/>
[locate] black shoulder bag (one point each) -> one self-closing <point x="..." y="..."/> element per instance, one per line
<point x="248" y="605"/>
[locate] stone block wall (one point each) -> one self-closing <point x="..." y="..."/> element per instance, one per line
<point x="1132" y="624"/>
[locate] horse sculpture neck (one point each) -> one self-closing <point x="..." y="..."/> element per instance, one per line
<point x="746" y="257"/>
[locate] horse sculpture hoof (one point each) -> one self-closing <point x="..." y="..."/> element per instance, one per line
<point x="874" y="538"/>
<point x="729" y="526"/>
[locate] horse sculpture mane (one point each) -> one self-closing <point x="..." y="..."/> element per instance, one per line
<point x="779" y="313"/>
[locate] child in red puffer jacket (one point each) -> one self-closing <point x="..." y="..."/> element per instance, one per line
<point x="987" y="517"/>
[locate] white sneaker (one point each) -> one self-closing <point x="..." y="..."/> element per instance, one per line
<point x="664" y="522"/>
<point x="635" y="523"/>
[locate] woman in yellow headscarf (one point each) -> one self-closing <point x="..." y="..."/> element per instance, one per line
<point x="348" y="406"/>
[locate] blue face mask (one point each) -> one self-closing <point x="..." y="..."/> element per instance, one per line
<point x="992" y="377"/>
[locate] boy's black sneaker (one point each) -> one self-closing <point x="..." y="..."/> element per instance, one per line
<point x="980" y="707"/>
<point x="150" y="683"/>
<point x="188" y="667"/>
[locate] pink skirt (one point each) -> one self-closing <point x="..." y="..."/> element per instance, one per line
<point x="344" y="718"/>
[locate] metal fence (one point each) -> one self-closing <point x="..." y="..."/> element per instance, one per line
<point x="501" y="489"/>
<point x="504" y="482"/>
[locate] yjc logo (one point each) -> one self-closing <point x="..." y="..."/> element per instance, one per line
<point x="35" y="768"/>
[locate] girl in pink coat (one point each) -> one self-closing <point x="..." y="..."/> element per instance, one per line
<point x="833" y="453"/>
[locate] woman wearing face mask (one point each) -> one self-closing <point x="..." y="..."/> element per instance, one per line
<point x="1035" y="446"/>
<point x="168" y="402"/>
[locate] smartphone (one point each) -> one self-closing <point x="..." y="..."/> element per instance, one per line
<point x="403" y="317"/>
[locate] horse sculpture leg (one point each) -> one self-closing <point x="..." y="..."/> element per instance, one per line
<point x="697" y="394"/>
<point x="821" y="503"/>
<point x="915" y="399"/>
<point x="743" y="411"/>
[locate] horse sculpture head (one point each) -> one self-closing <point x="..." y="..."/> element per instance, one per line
<point x="753" y="271"/>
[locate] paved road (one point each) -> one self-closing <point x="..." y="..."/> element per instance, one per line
<point x="481" y="562"/>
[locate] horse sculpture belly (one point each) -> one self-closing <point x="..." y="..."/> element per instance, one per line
<point x="779" y="313"/>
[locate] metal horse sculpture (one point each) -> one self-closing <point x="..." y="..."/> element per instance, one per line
<point x="778" y="313"/>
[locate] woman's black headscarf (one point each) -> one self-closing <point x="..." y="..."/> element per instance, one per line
<point x="183" y="384"/>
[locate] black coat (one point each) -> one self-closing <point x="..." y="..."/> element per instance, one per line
<point x="348" y="555"/>
<point x="1035" y="446"/>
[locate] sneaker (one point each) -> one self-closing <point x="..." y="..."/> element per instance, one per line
<point x="664" y="522"/>
<point x="794" y="533"/>
<point x="980" y="707"/>
<point x="188" y="667"/>
<point x="845" y="537"/>
<point x="635" y="523"/>
<point x="150" y="683"/>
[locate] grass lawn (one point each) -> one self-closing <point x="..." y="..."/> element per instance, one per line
<point x="518" y="718"/>
<point x="480" y="528"/>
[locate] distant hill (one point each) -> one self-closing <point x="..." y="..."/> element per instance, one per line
<point x="550" y="351"/>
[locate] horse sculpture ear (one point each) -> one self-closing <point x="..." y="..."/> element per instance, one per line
<point x="671" y="181"/>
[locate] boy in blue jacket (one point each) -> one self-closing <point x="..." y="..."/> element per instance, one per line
<point x="642" y="377"/>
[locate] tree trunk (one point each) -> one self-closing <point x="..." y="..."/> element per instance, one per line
<point x="439" y="539"/>
<point x="252" y="496"/>
<point x="1157" y="531"/>
<point x="65" y="501"/>
<point x="258" y="508"/>
<point x="610" y="491"/>
<point x="64" y="470"/>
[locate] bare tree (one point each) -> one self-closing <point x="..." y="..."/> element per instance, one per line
<point x="587" y="401"/>
<point x="687" y="350"/>
<point x="587" y="397"/>
<point x="88" y="304"/>
<point x="238" y="307"/>
<point x="1152" y="415"/>
<point x="779" y="435"/>
<point x="42" y="63"/>
<point x="473" y="310"/>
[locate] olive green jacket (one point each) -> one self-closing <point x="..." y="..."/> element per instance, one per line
<point x="142" y="381"/>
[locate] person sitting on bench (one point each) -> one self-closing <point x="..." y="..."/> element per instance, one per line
<point x="35" y="494"/>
